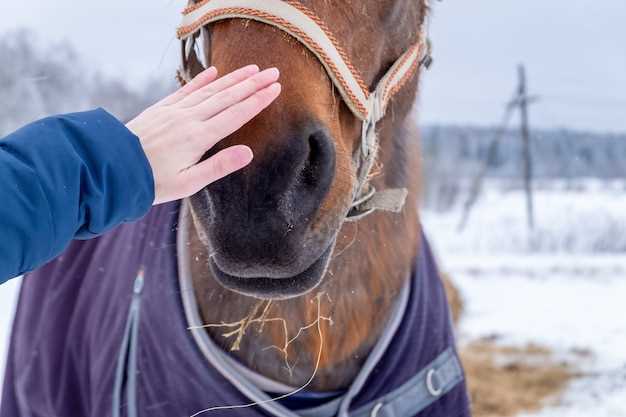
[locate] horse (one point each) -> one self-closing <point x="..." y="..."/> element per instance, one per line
<point x="273" y="282"/>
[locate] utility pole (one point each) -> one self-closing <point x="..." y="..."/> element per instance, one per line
<point x="520" y="100"/>
<point x="526" y="153"/>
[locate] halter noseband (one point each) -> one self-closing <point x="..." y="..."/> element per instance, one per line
<point x="301" y="23"/>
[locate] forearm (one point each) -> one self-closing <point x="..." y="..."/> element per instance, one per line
<point x="67" y="177"/>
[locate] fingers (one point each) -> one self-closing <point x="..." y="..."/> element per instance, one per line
<point x="221" y="164"/>
<point x="233" y="95"/>
<point x="237" y="115"/>
<point x="218" y="85"/>
<point x="205" y="77"/>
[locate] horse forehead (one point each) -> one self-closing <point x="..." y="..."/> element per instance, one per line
<point x="355" y="28"/>
<point x="239" y="42"/>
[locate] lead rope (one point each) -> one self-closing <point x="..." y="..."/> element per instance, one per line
<point x="366" y="198"/>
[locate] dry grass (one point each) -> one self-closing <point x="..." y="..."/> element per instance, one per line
<point x="454" y="298"/>
<point x="506" y="380"/>
<point x="240" y="331"/>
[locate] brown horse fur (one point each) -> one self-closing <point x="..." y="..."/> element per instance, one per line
<point x="372" y="257"/>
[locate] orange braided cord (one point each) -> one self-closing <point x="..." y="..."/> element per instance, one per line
<point x="391" y="90"/>
<point x="322" y="25"/>
<point x="246" y="12"/>
<point x="193" y="7"/>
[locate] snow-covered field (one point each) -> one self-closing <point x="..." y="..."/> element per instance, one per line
<point x="562" y="286"/>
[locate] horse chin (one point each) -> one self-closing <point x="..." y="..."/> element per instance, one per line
<point x="266" y="288"/>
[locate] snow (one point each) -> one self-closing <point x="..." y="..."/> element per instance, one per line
<point x="565" y="313"/>
<point x="562" y="286"/>
<point x="597" y="396"/>
<point x="583" y="218"/>
<point x="8" y="300"/>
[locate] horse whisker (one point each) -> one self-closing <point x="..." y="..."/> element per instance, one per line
<point x="345" y="248"/>
<point x="204" y="326"/>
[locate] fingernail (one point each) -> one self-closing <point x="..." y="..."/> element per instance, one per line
<point x="275" y="88"/>
<point x="275" y="71"/>
<point x="252" y="68"/>
<point x="244" y="155"/>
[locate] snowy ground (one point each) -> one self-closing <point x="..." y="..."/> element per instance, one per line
<point x="563" y="286"/>
<point x="8" y="297"/>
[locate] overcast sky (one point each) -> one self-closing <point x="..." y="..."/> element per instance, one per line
<point x="574" y="50"/>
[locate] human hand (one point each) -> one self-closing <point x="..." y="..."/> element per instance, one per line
<point x="178" y="130"/>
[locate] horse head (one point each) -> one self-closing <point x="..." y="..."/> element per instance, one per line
<point x="272" y="227"/>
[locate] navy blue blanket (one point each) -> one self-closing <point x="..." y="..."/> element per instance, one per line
<point x="72" y="315"/>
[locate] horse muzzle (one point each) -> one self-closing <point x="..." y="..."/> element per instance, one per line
<point x="277" y="288"/>
<point x="264" y="226"/>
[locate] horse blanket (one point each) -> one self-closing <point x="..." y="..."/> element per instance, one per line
<point x="71" y="329"/>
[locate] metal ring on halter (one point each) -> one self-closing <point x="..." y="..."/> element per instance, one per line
<point x="355" y="213"/>
<point x="354" y="216"/>
<point x="364" y="197"/>
<point x="427" y="60"/>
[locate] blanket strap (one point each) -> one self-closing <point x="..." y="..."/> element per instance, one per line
<point x="126" y="371"/>
<point x="423" y="389"/>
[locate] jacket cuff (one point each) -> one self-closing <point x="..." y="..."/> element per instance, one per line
<point x="137" y="180"/>
<point x="124" y="178"/>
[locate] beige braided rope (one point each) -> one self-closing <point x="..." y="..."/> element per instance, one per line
<point x="243" y="12"/>
<point x="311" y="15"/>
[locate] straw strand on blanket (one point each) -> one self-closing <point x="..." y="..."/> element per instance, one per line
<point x="317" y="322"/>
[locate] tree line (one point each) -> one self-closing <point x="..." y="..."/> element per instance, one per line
<point x="38" y="79"/>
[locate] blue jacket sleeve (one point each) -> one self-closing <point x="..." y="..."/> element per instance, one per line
<point x="67" y="177"/>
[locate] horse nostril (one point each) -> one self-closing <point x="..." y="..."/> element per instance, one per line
<point x="315" y="174"/>
<point x="320" y="164"/>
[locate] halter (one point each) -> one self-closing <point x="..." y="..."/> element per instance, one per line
<point x="301" y="23"/>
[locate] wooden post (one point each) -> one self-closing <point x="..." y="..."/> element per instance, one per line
<point x="526" y="152"/>
<point x="521" y="100"/>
